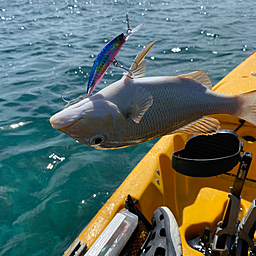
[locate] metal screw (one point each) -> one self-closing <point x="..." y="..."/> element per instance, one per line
<point x="158" y="172"/>
<point x="157" y="181"/>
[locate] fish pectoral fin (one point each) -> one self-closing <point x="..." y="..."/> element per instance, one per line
<point x="203" y="126"/>
<point x="138" y="67"/>
<point x="141" y="101"/>
<point x="200" y="77"/>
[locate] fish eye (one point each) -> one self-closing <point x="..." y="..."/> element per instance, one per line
<point x="97" y="140"/>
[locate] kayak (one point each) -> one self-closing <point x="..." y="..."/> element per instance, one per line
<point x="205" y="184"/>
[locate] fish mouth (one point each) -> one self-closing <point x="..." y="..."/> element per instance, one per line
<point x="68" y="116"/>
<point x="59" y="125"/>
<point x="58" y="122"/>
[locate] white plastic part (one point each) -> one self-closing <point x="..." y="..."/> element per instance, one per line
<point x="113" y="239"/>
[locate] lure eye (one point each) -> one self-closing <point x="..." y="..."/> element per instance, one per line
<point x="97" y="140"/>
<point x="120" y="38"/>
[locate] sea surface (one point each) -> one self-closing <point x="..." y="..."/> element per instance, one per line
<point x="50" y="185"/>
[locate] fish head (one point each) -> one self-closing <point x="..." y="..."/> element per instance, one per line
<point x="96" y="123"/>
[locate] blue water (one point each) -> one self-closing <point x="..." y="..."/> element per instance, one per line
<point x="51" y="185"/>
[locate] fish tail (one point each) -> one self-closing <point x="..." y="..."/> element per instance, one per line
<point x="248" y="110"/>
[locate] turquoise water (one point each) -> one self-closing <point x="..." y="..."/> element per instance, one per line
<point x="50" y="185"/>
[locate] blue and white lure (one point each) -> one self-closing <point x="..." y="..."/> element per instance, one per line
<point x="104" y="59"/>
<point x="107" y="56"/>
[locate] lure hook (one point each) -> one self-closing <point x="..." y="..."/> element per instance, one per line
<point x="62" y="97"/>
<point x="70" y="102"/>
<point x="118" y="65"/>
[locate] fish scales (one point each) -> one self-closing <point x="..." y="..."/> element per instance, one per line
<point x="171" y="97"/>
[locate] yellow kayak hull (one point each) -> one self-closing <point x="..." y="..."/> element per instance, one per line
<point x="195" y="202"/>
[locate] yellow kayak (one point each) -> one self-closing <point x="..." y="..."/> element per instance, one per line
<point x="203" y="206"/>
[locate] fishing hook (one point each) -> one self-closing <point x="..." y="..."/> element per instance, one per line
<point x="118" y="65"/>
<point x="70" y="102"/>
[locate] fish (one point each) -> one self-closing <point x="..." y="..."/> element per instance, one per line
<point x="106" y="57"/>
<point x="132" y="111"/>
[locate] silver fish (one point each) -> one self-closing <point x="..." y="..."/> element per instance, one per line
<point x="132" y="111"/>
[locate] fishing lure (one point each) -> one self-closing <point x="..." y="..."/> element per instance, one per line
<point x="104" y="59"/>
<point x="107" y="56"/>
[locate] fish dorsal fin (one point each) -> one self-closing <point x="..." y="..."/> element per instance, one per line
<point x="139" y="60"/>
<point x="205" y="125"/>
<point x="141" y="101"/>
<point x="141" y="70"/>
<point x="200" y="77"/>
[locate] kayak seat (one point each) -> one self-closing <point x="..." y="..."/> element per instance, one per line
<point x="206" y="156"/>
<point x="164" y="239"/>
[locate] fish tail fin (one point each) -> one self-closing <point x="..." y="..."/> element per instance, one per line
<point x="248" y="111"/>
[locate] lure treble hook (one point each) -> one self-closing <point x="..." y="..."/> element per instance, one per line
<point x="118" y="65"/>
<point x="70" y="102"/>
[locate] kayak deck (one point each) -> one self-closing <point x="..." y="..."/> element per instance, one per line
<point x="195" y="202"/>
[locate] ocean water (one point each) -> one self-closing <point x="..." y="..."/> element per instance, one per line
<point x="50" y="185"/>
